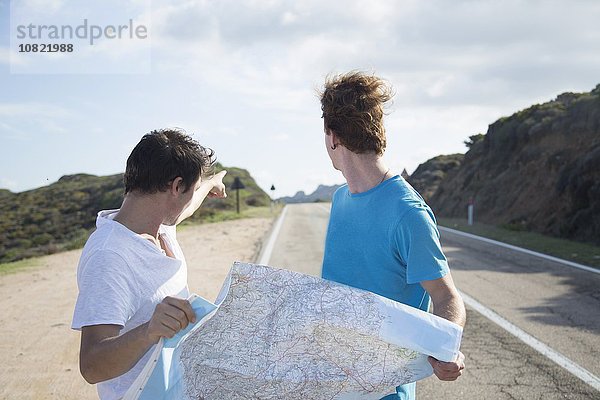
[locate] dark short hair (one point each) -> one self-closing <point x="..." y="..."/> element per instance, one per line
<point x="353" y="108"/>
<point x="163" y="155"/>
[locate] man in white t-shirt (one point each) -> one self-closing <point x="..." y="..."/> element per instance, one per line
<point x="132" y="275"/>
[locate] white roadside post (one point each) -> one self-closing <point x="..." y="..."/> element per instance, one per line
<point x="470" y="212"/>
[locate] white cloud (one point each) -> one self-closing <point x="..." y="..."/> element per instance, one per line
<point x="9" y="184"/>
<point x="33" y="110"/>
<point x="85" y="26"/>
<point x="441" y="52"/>
<point x="45" y="6"/>
<point x="25" y="121"/>
<point x="281" y="137"/>
<point x="4" y="55"/>
<point x="8" y="131"/>
<point x="10" y="57"/>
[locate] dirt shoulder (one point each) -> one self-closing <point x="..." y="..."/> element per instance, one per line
<point x="38" y="346"/>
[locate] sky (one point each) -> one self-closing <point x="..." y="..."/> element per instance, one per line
<point x="242" y="77"/>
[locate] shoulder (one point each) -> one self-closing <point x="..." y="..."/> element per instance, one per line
<point x="403" y="190"/>
<point x="101" y="261"/>
<point x="337" y="200"/>
<point x="104" y="237"/>
<point x="401" y="201"/>
<point x="417" y="224"/>
<point x="341" y="191"/>
<point x="105" y="250"/>
<point x="413" y="214"/>
<point x="417" y="214"/>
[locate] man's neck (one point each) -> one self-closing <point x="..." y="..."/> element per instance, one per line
<point x="364" y="172"/>
<point x="141" y="214"/>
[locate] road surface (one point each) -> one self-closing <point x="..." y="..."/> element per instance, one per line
<point x="556" y="304"/>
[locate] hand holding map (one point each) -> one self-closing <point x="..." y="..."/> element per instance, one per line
<point x="275" y="333"/>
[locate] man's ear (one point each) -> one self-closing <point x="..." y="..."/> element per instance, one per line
<point x="334" y="139"/>
<point x="331" y="133"/>
<point x="177" y="187"/>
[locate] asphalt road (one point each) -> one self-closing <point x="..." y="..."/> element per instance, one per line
<point x="558" y="305"/>
<point x="301" y="240"/>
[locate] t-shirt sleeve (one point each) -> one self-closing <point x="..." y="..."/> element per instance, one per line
<point x="107" y="291"/>
<point x="418" y="241"/>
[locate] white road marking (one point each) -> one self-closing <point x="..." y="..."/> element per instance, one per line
<point x="268" y="251"/>
<point x="322" y="207"/>
<point x="531" y="341"/>
<point x="526" y="251"/>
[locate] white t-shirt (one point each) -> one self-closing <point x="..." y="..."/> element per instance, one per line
<point x="121" y="278"/>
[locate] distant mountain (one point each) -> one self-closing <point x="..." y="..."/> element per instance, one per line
<point x="537" y="170"/>
<point x="323" y="193"/>
<point x="60" y="216"/>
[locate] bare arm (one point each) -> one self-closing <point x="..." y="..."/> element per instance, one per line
<point x="212" y="187"/>
<point x="105" y="355"/>
<point x="448" y="304"/>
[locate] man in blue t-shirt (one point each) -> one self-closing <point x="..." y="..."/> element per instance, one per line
<point x="382" y="236"/>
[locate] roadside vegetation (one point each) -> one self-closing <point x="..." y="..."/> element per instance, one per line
<point x="582" y="253"/>
<point x="8" y="268"/>
<point x="219" y="216"/>
<point x="62" y="215"/>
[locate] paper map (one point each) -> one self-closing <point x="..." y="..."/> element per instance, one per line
<point x="278" y="334"/>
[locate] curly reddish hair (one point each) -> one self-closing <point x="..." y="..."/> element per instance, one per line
<point x="353" y="108"/>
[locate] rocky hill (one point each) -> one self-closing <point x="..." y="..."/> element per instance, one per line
<point x="322" y="193"/>
<point x="537" y="170"/>
<point x="60" y="216"/>
<point x="428" y="176"/>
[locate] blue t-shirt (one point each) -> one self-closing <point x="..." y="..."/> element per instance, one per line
<point x="386" y="241"/>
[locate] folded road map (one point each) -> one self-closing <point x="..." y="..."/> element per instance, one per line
<point x="274" y="333"/>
